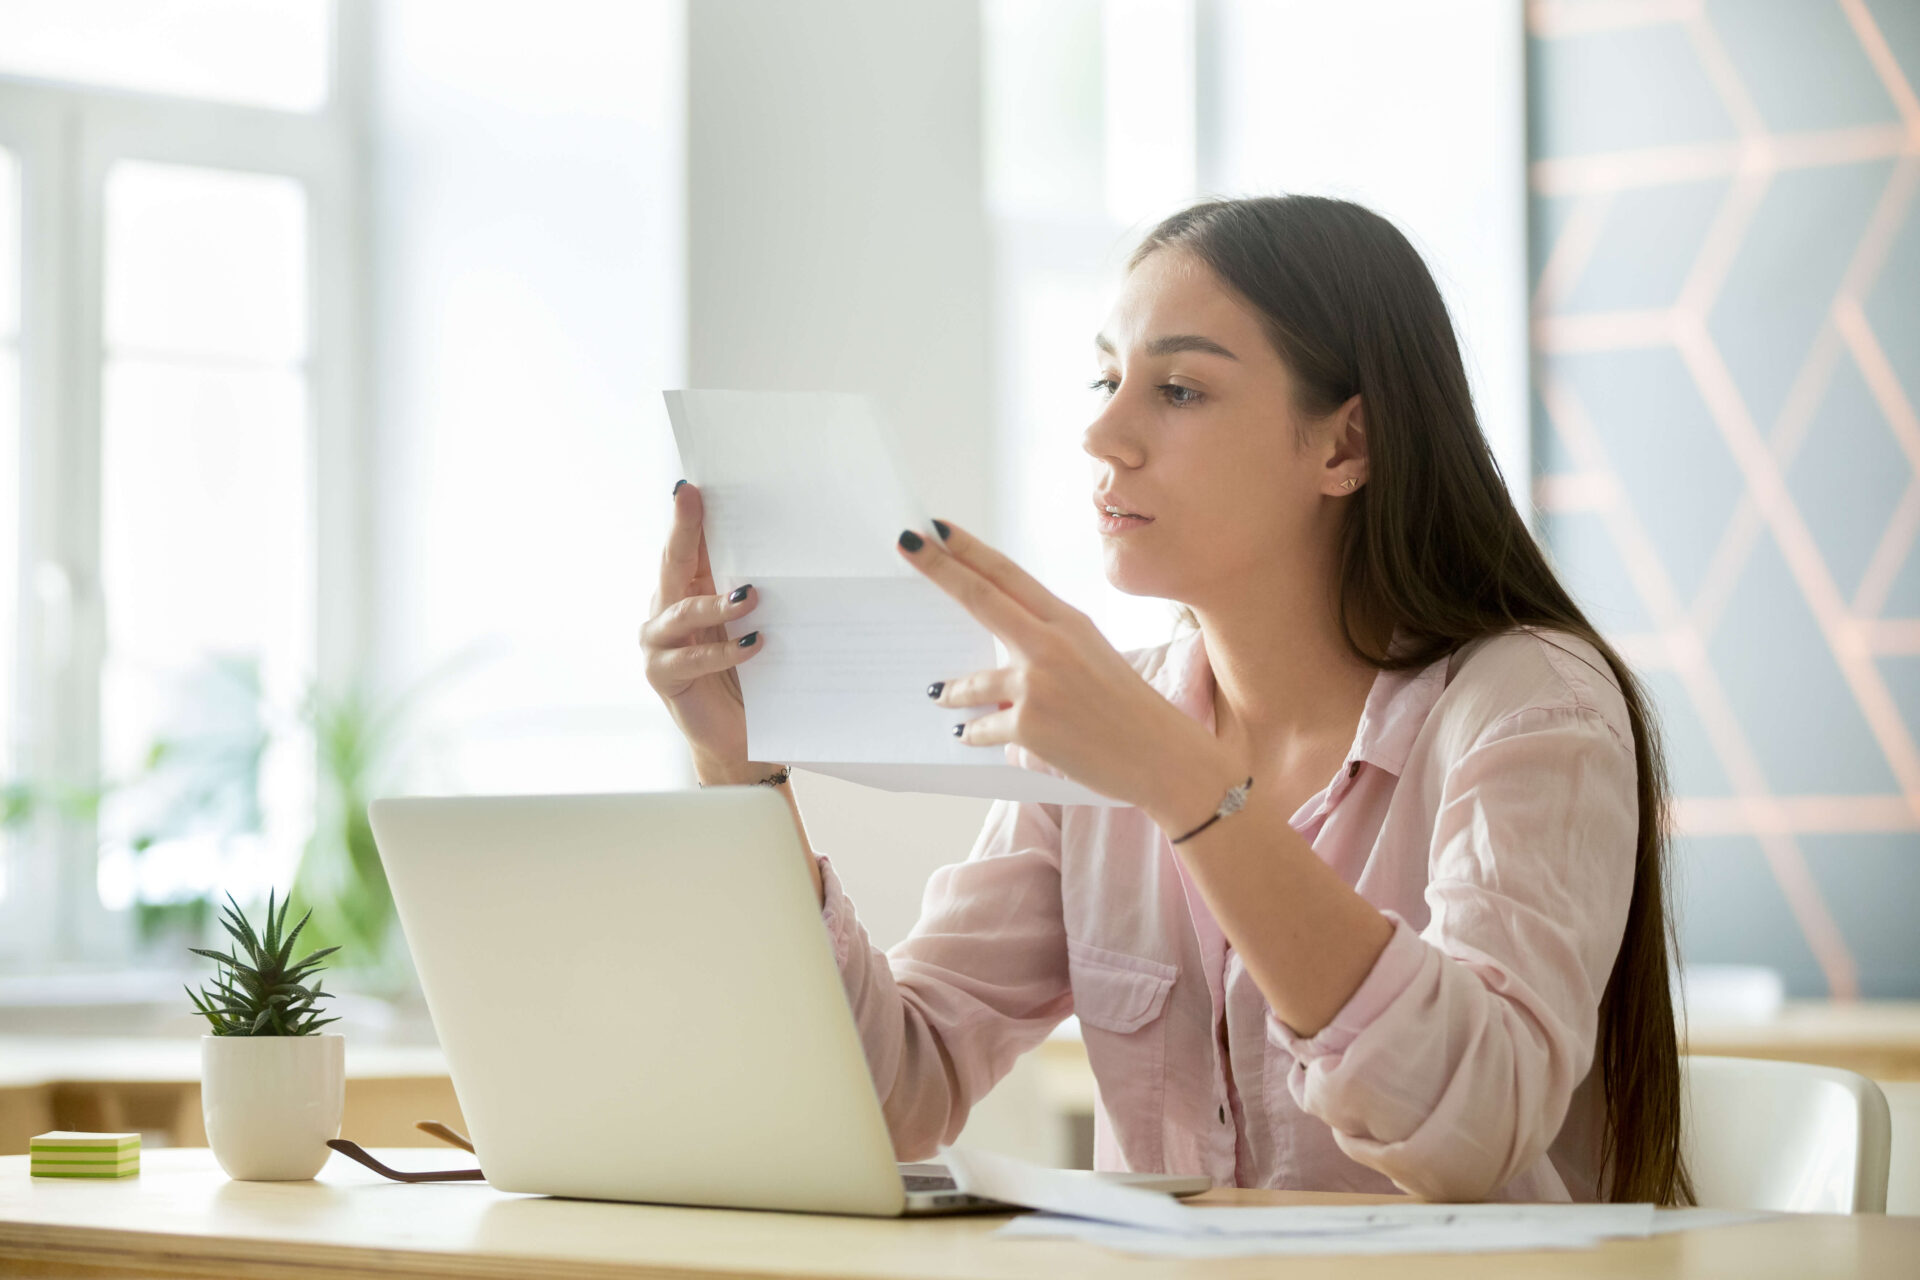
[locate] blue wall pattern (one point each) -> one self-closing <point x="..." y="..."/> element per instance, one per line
<point x="1726" y="333"/>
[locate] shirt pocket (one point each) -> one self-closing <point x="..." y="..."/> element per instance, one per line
<point x="1119" y="999"/>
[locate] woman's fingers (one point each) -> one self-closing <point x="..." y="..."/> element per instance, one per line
<point x="682" y="558"/>
<point x="684" y="620"/>
<point x="669" y="669"/>
<point x="1002" y="572"/>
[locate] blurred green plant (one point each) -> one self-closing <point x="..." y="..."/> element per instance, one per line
<point x="22" y="802"/>
<point x="206" y="781"/>
<point x="340" y="880"/>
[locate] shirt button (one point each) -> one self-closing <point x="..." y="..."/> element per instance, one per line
<point x="1223" y="1113"/>
<point x="1353" y="769"/>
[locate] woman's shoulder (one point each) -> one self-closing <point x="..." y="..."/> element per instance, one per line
<point x="1543" y="673"/>
<point x="1149" y="659"/>
<point x="1161" y="664"/>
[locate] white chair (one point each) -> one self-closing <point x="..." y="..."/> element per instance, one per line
<point x="1784" y="1136"/>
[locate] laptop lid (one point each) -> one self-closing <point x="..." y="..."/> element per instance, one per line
<point x="637" y="999"/>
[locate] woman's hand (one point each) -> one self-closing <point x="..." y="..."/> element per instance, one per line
<point x="1068" y="697"/>
<point x="690" y="661"/>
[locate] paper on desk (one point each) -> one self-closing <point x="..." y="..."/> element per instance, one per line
<point x="1147" y="1221"/>
<point x="1063" y="1191"/>
<point x="803" y="499"/>
<point x="1453" y="1237"/>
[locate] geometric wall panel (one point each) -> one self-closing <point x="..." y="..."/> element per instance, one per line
<point x="1693" y="768"/>
<point x="1801" y="63"/>
<point x="1727" y="896"/>
<point x="1888" y="305"/>
<point x="1616" y="89"/>
<point x="1659" y="437"/>
<point x="1649" y="243"/>
<point x="1871" y="880"/>
<point x="1903" y="598"/>
<point x="1787" y="692"/>
<point x="1793" y="252"/>
<point x="1848" y="477"/>
<point x="1726" y="339"/>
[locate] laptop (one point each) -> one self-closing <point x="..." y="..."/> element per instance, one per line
<point x="638" y="1001"/>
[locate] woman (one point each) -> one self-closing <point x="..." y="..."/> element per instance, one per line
<point x="1386" y="906"/>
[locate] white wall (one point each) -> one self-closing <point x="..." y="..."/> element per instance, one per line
<point x="836" y="239"/>
<point x="580" y="203"/>
<point x="528" y="303"/>
<point x="1418" y="111"/>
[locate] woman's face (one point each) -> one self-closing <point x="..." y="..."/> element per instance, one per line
<point x="1199" y="431"/>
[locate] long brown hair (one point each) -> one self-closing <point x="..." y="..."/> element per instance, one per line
<point x="1432" y="544"/>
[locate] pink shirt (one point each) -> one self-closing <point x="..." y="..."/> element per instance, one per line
<point x="1487" y="807"/>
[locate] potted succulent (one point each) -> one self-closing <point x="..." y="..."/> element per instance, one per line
<point x="272" y="1086"/>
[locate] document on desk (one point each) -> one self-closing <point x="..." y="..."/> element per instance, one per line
<point x="804" y="499"/>
<point x="1139" y="1221"/>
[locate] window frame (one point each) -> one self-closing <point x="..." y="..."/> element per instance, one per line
<point x="67" y="137"/>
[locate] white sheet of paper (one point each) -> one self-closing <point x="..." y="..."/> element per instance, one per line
<point x="1147" y="1221"/>
<point x="803" y="499"/>
<point x="1063" y="1191"/>
<point x="1452" y="1238"/>
<point x="1455" y="1237"/>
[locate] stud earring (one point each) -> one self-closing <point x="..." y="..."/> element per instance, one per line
<point x="1349" y="482"/>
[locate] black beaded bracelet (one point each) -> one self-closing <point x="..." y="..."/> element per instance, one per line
<point x="774" y="779"/>
<point x="1236" y="800"/>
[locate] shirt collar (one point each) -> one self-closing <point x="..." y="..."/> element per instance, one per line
<point x="1398" y="702"/>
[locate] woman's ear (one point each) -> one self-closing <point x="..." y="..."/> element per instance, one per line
<point x="1346" y="465"/>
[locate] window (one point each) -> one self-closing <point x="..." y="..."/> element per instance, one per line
<point x="206" y="548"/>
<point x="9" y="463"/>
<point x="269" y="53"/>
<point x="177" y="260"/>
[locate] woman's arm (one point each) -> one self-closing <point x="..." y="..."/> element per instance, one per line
<point x="1446" y="1059"/>
<point x="981" y="979"/>
<point x="1307" y="939"/>
<point x="715" y="773"/>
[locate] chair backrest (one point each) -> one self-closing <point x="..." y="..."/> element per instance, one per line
<point x="1784" y="1136"/>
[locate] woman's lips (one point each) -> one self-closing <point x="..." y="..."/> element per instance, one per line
<point x="1117" y="524"/>
<point x="1101" y="502"/>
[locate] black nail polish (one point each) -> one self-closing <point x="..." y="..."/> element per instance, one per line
<point x="959" y="729"/>
<point x="746" y="639"/>
<point x="737" y="594"/>
<point x="911" y="540"/>
<point x="677" y="484"/>
<point x="933" y="690"/>
<point x="941" y="527"/>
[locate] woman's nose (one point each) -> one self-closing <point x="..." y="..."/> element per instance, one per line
<point x="1110" y="436"/>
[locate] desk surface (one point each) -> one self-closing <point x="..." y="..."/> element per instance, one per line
<point x="183" y="1216"/>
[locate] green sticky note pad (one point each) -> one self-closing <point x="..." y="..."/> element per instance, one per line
<point x="63" y="1154"/>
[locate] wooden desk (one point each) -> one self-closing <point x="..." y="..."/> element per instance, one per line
<point x="182" y="1216"/>
<point x="1880" y="1039"/>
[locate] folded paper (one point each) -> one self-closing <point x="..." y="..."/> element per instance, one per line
<point x="803" y="500"/>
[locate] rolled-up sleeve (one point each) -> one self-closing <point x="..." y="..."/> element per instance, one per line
<point x="981" y="978"/>
<point x="1451" y="1067"/>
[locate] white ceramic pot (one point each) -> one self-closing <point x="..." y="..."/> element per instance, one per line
<point x="271" y="1102"/>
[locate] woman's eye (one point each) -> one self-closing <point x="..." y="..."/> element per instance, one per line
<point x="1177" y="394"/>
<point x="1105" y="386"/>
